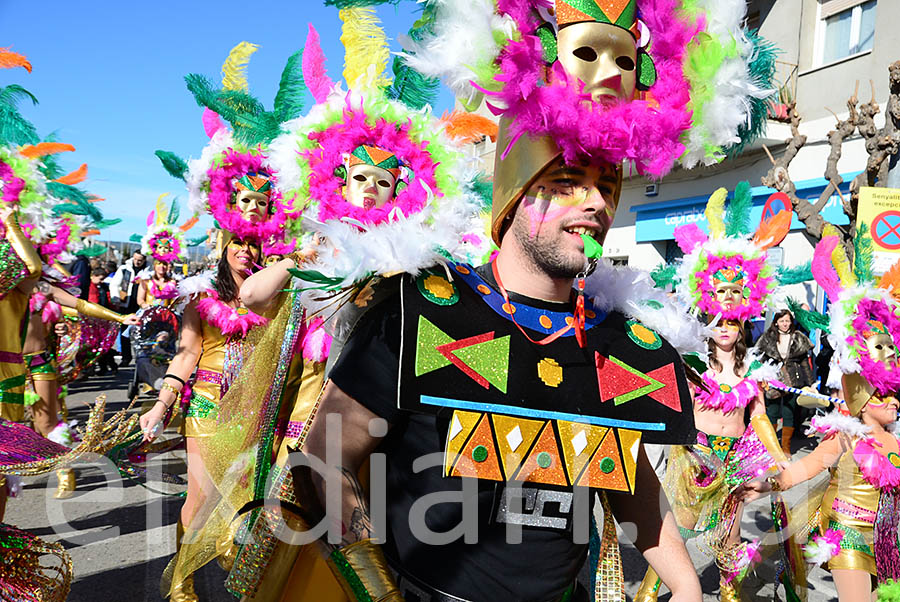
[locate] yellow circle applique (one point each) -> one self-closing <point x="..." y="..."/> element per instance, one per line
<point x="545" y="321"/>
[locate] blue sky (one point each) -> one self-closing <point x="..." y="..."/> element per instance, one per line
<point x="108" y="76"/>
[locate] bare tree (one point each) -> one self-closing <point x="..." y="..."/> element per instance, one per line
<point x="881" y="144"/>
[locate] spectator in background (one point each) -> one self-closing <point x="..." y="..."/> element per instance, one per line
<point x="81" y="269"/>
<point x="123" y="290"/>
<point x="98" y="292"/>
<point x="789" y="348"/>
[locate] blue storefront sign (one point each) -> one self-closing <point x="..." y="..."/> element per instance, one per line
<point x="657" y="221"/>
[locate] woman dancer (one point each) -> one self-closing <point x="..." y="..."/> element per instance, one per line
<point x="786" y="346"/>
<point x="860" y="510"/>
<point x="723" y="275"/>
<point x="160" y="288"/>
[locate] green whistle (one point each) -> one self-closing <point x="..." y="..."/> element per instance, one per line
<point x="592" y="248"/>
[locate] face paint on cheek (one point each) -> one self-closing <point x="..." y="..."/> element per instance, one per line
<point x="546" y="207"/>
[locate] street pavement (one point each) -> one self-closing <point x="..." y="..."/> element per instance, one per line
<point x="122" y="535"/>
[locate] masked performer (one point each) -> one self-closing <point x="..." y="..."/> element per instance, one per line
<point x="725" y="278"/>
<point x="165" y="243"/>
<point x="233" y="181"/>
<point x="491" y="368"/>
<point x="857" y="521"/>
<point x="383" y="190"/>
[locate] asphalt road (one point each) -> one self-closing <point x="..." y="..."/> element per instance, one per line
<point x="121" y="535"/>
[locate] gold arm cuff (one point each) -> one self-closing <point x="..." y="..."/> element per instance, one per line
<point x="22" y="246"/>
<point x="766" y="433"/>
<point x="92" y="310"/>
<point x="363" y="572"/>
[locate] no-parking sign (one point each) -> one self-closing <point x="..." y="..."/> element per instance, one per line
<point x="879" y="208"/>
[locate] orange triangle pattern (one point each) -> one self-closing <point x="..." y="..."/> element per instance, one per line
<point x="534" y="470"/>
<point x="606" y="470"/>
<point x="577" y="447"/>
<point x="461" y="426"/>
<point x="507" y="437"/>
<point x="479" y="457"/>
<point x="631" y="447"/>
<point x="378" y="154"/>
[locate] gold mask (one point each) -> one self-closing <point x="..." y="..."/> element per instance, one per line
<point x="601" y="55"/>
<point x="254" y="206"/>
<point x="369" y="187"/>
<point x="730" y="294"/>
<point x="881" y="349"/>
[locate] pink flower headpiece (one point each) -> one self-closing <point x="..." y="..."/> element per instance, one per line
<point x="230" y="166"/>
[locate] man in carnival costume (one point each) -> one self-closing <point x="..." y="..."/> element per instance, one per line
<point x="490" y="369"/>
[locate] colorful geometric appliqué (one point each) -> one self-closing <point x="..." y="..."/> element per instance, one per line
<point x="579" y="442"/>
<point x="437" y="289"/>
<point x="514" y="439"/>
<point x="428" y="338"/>
<point x="620" y="382"/>
<point x="482" y="358"/>
<point x="478" y="458"/>
<point x="606" y="469"/>
<point x="543" y="464"/>
<point x="642" y="336"/>
<point x="461" y="426"/>
<point x="550" y="372"/>
<point x="668" y="395"/>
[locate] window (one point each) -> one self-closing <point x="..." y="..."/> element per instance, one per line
<point x="849" y="28"/>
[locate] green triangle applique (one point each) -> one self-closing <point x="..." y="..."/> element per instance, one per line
<point x="651" y="386"/>
<point x="428" y="337"/>
<point x="489" y="359"/>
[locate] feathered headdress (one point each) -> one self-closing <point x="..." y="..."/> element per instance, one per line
<point x="725" y="272"/>
<point x="235" y="161"/>
<point x="860" y="307"/>
<point x="701" y="78"/>
<point x="164" y="240"/>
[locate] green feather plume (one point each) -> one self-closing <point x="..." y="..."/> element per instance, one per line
<point x="197" y="241"/>
<point x="106" y="223"/>
<point x="484" y="189"/>
<point x="92" y="251"/>
<point x="409" y="86"/>
<point x="135" y="238"/>
<point x="174" y="212"/>
<point x="794" y="275"/>
<point x="762" y="73"/>
<point x="15" y="130"/>
<point x="251" y="123"/>
<point x="737" y="218"/>
<point x="809" y="319"/>
<point x="863" y="254"/>
<point x="67" y="192"/>
<point x="172" y="163"/>
<point x="663" y="276"/>
<point x="291" y="89"/>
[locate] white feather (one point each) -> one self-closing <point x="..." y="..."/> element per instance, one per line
<point x="192" y="286"/>
<point x="819" y="551"/>
<point x="766" y="370"/>
<point x="835" y="422"/>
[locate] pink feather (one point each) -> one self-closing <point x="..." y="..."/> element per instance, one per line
<point x="316" y="342"/>
<point x="51" y="313"/>
<point x="212" y="123"/>
<point x="314" y="74"/>
<point x="150" y="218"/>
<point x="823" y="271"/>
<point x="689" y="237"/>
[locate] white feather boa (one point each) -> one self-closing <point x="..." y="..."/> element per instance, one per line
<point x="628" y="291"/>
<point x="765" y="371"/>
<point x="835" y="422"/>
<point x="191" y="287"/>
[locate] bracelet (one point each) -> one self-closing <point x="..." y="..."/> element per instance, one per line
<point x="773" y="483"/>
<point x="172" y="376"/>
<point x="167" y="387"/>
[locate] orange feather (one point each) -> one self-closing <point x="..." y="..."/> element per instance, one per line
<point x="469" y="127"/>
<point x="772" y="231"/>
<point x="90" y="232"/>
<point x="10" y="59"/>
<point x="189" y="224"/>
<point x="75" y="177"/>
<point x="33" y="151"/>
<point x="891" y="280"/>
<point x="95" y="199"/>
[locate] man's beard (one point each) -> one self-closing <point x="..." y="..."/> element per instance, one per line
<point x="545" y="254"/>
